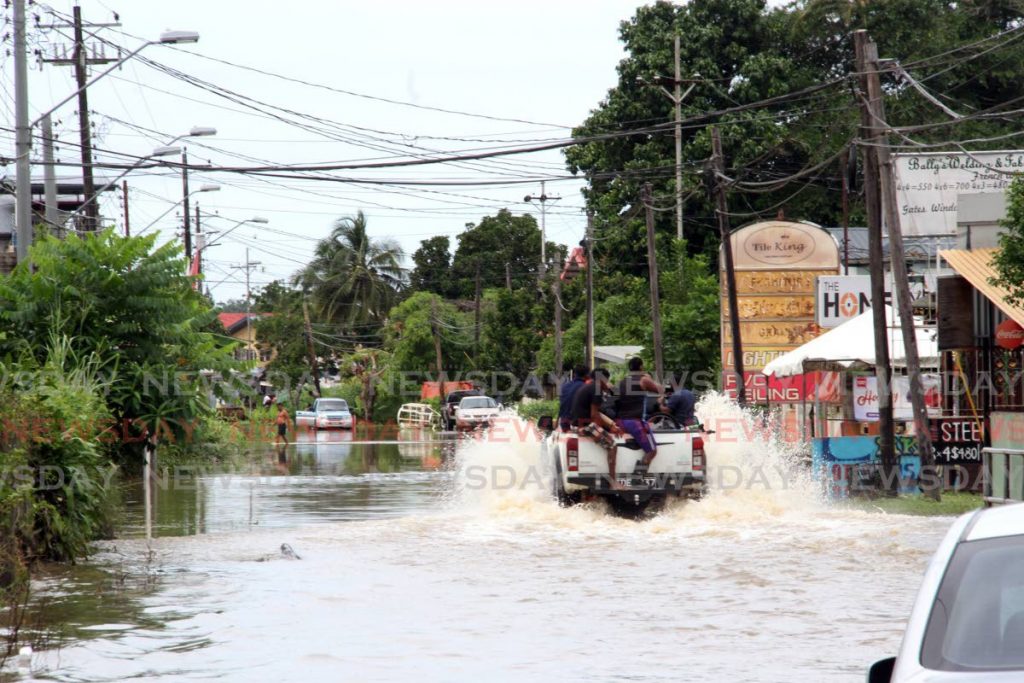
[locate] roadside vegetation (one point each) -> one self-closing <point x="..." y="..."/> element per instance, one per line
<point x="952" y="503"/>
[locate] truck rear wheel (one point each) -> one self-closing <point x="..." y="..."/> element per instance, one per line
<point x="558" y="491"/>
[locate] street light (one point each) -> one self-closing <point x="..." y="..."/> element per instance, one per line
<point x="205" y="188"/>
<point x="23" y="129"/>
<point x="187" y="212"/>
<point x="225" y="233"/>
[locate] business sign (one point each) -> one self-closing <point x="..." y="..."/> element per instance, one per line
<point x="839" y="298"/>
<point x="820" y="386"/>
<point x="776" y="264"/>
<point x="927" y="185"/>
<point x="865" y="397"/>
<point x="957" y="440"/>
<point x="1009" y="335"/>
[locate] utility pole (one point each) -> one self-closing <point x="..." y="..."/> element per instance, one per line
<point x="124" y="196"/>
<point x="23" y="138"/>
<point x="590" y="288"/>
<point x="871" y="92"/>
<point x="81" y="61"/>
<point x="437" y="346"/>
<point x="199" y="245"/>
<point x="476" y="331"/>
<point x="508" y="277"/>
<point x="185" y="207"/>
<point x="556" y="288"/>
<point x="249" y="265"/>
<point x="50" y="212"/>
<point x="313" y="364"/>
<point x="844" y="173"/>
<point x="897" y="255"/>
<point x="544" y="198"/>
<point x="652" y="267"/>
<point x="722" y="210"/>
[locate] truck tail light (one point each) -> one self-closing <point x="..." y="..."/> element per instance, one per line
<point x="572" y="454"/>
<point x="698" y="454"/>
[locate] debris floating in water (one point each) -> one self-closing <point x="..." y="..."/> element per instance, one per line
<point x="287" y="551"/>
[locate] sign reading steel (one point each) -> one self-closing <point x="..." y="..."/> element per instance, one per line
<point x="957" y="440"/>
<point x="927" y="185"/>
<point x="839" y="298"/>
<point x="776" y="265"/>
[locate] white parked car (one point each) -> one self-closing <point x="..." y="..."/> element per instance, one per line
<point x="476" y="411"/>
<point x="967" y="623"/>
<point x="326" y="413"/>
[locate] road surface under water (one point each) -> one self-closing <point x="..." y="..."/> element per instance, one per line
<point x="411" y="570"/>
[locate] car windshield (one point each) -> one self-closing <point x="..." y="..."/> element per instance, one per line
<point x="333" y="404"/>
<point x="977" y="622"/>
<point x="478" y="402"/>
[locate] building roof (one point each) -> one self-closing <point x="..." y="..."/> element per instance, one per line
<point x="917" y="247"/>
<point x="975" y="265"/>
<point x="233" y="321"/>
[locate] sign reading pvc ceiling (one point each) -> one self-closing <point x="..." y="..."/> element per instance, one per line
<point x="927" y="185"/>
<point x="776" y="264"/>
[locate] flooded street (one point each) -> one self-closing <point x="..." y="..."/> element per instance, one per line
<point x="408" y="572"/>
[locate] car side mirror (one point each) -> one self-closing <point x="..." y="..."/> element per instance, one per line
<point x="545" y="423"/>
<point x="881" y="671"/>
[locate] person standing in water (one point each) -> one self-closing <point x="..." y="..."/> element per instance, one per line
<point x="282" y="424"/>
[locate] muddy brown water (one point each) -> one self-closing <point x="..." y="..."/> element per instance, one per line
<point x="412" y="570"/>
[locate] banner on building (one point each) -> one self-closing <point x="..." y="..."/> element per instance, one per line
<point x="865" y="397"/>
<point x="839" y="298"/>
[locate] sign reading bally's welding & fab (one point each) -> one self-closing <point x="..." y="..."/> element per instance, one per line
<point x="927" y="185"/>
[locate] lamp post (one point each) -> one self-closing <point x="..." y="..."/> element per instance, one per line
<point x="205" y="188"/>
<point x="237" y="224"/>
<point x="23" y="132"/>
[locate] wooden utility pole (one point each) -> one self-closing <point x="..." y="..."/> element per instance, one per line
<point x="652" y="268"/>
<point x="722" y="211"/>
<point x="437" y="346"/>
<point x="84" y="131"/>
<point x="508" y="277"/>
<point x="844" y="173"/>
<point x="556" y="288"/>
<point x="871" y="93"/>
<point x="898" y="260"/>
<point x="185" y="207"/>
<point x="124" y="194"/>
<point x="309" y="347"/>
<point x="476" y="331"/>
<point x="590" y="289"/>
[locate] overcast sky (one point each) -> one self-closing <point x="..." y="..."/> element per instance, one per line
<point x="540" y="62"/>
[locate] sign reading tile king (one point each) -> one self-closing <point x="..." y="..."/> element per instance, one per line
<point x="927" y="185"/>
<point x="776" y="265"/>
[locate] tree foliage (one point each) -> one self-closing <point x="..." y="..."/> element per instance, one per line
<point x="1009" y="259"/>
<point x="432" y="265"/>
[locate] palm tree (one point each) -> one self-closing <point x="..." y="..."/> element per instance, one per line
<point x="353" y="279"/>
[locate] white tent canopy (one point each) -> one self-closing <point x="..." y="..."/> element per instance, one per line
<point x="616" y="354"/>
<point x="853" y="343"/>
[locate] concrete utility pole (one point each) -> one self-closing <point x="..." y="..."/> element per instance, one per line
<point x="124" y="196"/>
<point x="23" y="138"/>
<point x="185" y="208"/>
<point x="590" y="288"/>
<point x="867" y="61"/>
<point x="313" y="364"/>
<point x="249" y="265"/>
<point x="544" y="198"/>
<point x="722" y="210"/>
<point x="652" y="267"/>
<point x="901" y="283"/>
<point x="49" y="177"/>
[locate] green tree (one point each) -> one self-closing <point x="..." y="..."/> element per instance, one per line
<point x="353" y="279"/>
<point x="494" y="243"/>
<point x="433" y="262"/>
<point x="283" y="331"/>
<point x="130" y="303"/>
<point x="1009" y="259"/>
<point x="409" y="335"/>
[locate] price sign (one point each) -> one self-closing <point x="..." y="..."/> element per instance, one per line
<point x="957" y="440"/>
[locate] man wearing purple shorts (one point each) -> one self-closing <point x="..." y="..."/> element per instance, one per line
<point x="630" y="407"/>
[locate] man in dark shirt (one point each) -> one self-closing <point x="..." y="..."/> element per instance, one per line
<point x="568" y="392"/>
<point x="587" y="416"/>
<point x="680" y="405"/>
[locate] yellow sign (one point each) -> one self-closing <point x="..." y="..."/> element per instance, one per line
<point x="776" y="265"/>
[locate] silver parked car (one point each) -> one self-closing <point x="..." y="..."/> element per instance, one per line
<point x="968" y="620"/>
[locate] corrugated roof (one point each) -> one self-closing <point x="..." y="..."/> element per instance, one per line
<point x="975" y="265"/>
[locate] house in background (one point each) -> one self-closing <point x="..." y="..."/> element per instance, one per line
<point x="242" y="328"/>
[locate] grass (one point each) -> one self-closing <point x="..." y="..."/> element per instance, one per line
<point x="953" y="503"/>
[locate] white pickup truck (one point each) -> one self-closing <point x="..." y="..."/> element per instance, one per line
<point x="579" y="467"/>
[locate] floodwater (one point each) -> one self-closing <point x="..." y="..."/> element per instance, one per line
<point x="411" y="569"/>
